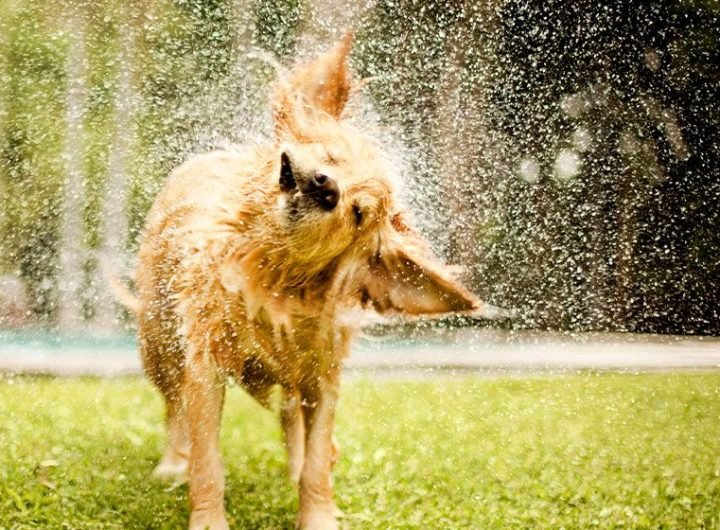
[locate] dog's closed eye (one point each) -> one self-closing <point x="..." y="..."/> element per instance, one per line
<point x="332" y="158"/>
<point x="358" y="214"/>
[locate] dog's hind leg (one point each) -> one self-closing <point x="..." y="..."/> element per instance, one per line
<point x="175" y="462"/>
<point x="162" y="357"/>
<point x="291" y="418"/>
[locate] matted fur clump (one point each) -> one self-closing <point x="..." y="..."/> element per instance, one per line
<point x="247" y="261"/>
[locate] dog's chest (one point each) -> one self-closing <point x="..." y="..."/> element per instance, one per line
<point x="279" y="348"/>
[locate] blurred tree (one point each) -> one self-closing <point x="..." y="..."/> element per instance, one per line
<point x="431" y="68"/>
<point x="402" y="49"/>
<point x="276" y="25"/>
<point x="70" y="272"/>
<point x="187" y="51"/>
<point x="112" y="256"/>
<point x="562" y="133"/>
<point x="31" y="167"/>
<point x="618" y="104"/>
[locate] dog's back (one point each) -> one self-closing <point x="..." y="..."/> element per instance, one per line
<point x="186" y="232"/>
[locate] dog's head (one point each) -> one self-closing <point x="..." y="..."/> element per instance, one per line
<point x="336" y="201"/>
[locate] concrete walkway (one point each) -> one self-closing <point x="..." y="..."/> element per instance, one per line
<point x="500" y="351"/>
<point x="467" y="350"/>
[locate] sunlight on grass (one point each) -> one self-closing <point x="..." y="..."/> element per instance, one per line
<point x="582" y="451"/>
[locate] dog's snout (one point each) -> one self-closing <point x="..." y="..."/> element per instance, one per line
<point x="324" y="190"/>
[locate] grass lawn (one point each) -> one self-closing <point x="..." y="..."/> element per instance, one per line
<point x="576" y="451"/>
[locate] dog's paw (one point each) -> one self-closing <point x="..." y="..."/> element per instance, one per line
<point x="208" y="521"/>
<point x="318" y="519"/>
<point x="172" y="470"/>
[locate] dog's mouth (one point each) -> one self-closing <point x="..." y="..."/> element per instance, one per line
<point x="316" y="190"/>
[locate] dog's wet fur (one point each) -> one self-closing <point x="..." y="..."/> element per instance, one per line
<point x="248" y="260"/>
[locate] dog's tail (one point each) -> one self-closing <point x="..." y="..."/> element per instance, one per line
<point x="118" y="288"/>
<point x="124" y="295"/>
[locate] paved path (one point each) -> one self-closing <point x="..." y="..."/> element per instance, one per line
<point x="498" y="351"/>
<point x="472" y="350"/>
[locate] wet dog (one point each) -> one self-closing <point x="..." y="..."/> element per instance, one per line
<point x="248" y="260"/>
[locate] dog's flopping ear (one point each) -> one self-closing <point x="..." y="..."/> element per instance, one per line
<point x="400" y="279"/>
<point x="321" y="87"/>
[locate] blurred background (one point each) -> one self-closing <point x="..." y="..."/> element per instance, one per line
<point x="566" y="154"/>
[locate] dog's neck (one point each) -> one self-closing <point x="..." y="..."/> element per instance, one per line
<point x="267" y="273"/>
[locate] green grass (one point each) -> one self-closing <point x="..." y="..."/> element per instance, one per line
<point x="580" y="451"/>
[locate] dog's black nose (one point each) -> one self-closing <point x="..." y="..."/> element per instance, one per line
<point x="287" y="178"/>
<point x="324" y="191"/>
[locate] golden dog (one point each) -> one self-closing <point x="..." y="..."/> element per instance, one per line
<point x="248" y="258"/>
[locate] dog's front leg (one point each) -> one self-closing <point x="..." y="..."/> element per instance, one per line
<point x="317" y="510"/>
<point x="205" y="390"/>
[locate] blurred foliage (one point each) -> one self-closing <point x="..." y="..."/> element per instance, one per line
<point x="277" y="25"/>
<point x="187" y="47"/>
<point x="30" y="152"/>
<point x="565" y="153"/>
<point x="627" y="243"/>
<point x="590" y="166"/>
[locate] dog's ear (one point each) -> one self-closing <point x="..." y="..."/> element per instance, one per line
<point x="322" y="86"/>
<point x="400" y="279"/>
